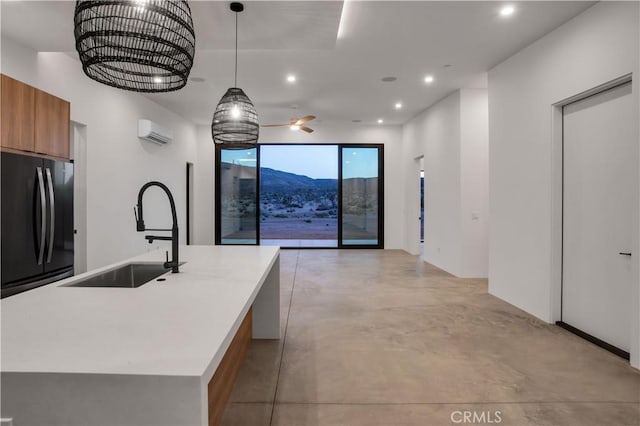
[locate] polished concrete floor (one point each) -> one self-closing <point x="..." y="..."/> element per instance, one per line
<point x="374" y="337"/>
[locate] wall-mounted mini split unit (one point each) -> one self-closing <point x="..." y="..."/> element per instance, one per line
<point x="152" y="132"/>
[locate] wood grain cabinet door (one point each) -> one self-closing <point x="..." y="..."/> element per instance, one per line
<point x="17" y="115"/>
<point x="52" y="117"/>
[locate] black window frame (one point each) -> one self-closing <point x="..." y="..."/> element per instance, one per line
<point x="380" y="244"/>
<point x="341" y="146"/>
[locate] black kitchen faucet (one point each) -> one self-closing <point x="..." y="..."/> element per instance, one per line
<point x="173" y="264"/>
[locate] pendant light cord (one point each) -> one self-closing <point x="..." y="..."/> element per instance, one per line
<point x="235" y="81"/>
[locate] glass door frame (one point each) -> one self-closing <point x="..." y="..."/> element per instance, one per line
<point x="380" y="244"/>
<point x="341" y="146"/>
<point x="218" y="194"/>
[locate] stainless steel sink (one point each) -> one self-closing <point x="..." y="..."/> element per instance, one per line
<point x="127" y="276"/>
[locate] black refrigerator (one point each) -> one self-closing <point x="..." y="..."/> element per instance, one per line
<point x="37" y="221"/>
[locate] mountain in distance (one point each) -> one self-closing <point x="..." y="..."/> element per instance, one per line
<point x="272" y="180"/>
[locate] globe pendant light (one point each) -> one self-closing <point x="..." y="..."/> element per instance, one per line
<point x="235" y="121"/>
<point x="137" y="45"/>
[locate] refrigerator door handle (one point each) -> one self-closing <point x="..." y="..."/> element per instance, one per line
<point x="43" y="220"/>
<point x="52" y="205"/>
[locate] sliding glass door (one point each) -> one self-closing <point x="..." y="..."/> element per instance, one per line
<point x="236" y="196"/>
<point x="361" y="196"/>
<point x="300" y="195"/>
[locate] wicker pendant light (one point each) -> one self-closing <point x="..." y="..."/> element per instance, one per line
<point x="235" y="121"/>
<point x="137" y="45"/>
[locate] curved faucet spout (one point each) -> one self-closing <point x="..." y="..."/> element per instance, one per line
<point x="140" y="227"/>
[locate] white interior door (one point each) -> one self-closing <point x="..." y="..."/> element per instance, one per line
<point x="600" y="179"/>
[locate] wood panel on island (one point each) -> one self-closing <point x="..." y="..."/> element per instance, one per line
<point x="34" y="122"/>
<point x="221" y="384"/>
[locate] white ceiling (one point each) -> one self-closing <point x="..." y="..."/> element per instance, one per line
<point x="338" y="78"/>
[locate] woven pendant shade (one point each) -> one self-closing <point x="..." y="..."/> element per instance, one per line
<point x="235" y="121"/>
<point x="137" y="45"/>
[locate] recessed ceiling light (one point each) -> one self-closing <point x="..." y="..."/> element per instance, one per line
<point x="380" y="121"/>
<point x="157" y="80"/>
<point x="428" y="79"/>
<point x="507" y="11"/>
<point x="356" y="121"/>
<point x="388" y="79"/>
<point x="295" y="127"/>
<point x="291" y="78"/>
<point x="398" y="105"/>
<point x="197" y="79"/>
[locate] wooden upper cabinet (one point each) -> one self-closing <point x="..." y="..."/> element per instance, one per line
<point x="18" y="110"/>
<point x="33" y="121"/>
<point x="51" y="125"/>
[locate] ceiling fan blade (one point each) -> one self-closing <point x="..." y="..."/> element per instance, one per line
<point x="306" y="129"/>
<point x="304" y="119"/>
<point x="274" y="125"/>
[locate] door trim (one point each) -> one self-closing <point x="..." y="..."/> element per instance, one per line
<point x="620" y="81"/>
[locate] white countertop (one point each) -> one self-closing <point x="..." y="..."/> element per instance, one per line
<point x="176" y="327"/>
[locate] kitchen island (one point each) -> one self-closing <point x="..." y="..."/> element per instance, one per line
<point x="164" y="353"/>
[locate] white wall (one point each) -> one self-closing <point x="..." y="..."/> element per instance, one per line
<point x="474" y="182"/>
<point x="204" y="187"/>
<point x="435" y="133"/>
<point x="390" y="136"/>
<point x="118" y="163"/>
<point x="452" y="137"/>
<point x="597" y="46"/>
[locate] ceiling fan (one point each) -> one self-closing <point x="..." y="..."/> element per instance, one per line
<point x="295" y="124"/>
